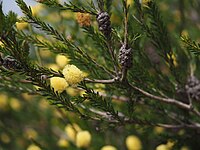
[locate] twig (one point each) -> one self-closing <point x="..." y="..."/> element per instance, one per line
<point x="101" y="81"/>
<point x="167" y="100"/>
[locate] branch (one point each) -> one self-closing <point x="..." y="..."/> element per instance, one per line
<point x="167" y="100"/>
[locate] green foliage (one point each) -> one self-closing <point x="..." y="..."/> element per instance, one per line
<point x="152" y="99"/>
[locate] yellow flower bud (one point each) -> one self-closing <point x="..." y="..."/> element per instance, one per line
<point x="133" y="143"/>
<point x="62" y="60"/>
<point x="83" y="139"/>
<point x="33" y="147"/>
<point x="63" y="143"/>
<point x="21" y="25"/>
<point x="170" y="143"/>
<point x="72" y="74"/>
<point x="162" y="147"/>
<point x="59" y="84"/>
<point x="108" y="147"/>
<point x="15" y="104"/>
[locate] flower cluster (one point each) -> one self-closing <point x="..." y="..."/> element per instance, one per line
<point x="72" y="76"/>
<point x="83" y="19"/>
<point x="81" y="138"/>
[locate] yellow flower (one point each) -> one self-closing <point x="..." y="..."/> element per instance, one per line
<point x="71" y="131"/>
<point x="33" y="147"/>
<point x="83" y="139"/>
<point x="21" y="25"/>
<point x="15" y="104"/>
<point x="4" y="138"/>
<point x="62" y="60"/>
<point x="63" y="143"/>
<point x="170" y="143"/>
<point x="159" y="130"/>
<point x="59" y="84"/>
<point x="3" y="101"/>
<point x="72" y="74"/>
<point x="133" y="143"/>
<point x="84" y="19"/>
<point x="162" y="147"/>
<point x="108" y="147"/>
<point x="54" y="67"/>
<point x="129" y="2"/>
<point x="185" y="33"/>
<point x="36" y="9"/>
<point x="30" y="133"/>
<point x="184" y="148"/>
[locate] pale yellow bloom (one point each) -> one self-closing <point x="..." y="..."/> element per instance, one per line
<point x="159" y="130"/>
<point x="162" y="147"/>
<point x="133" y="143"/>
<point x="62" y="60"/>
<point x="30" y="133"/>
<point x="37" y="9"/>
<point x="84" y="19"/>
<point x="3" y="101"/>
<point x="71" y="132"/>
<point x="185" y="148"/>
<point x="144" y="2"/>
<point x="108" y="147"/>
<point x="170" y="143"/>
<point x="27" y="96"/>
<point x="43" y="104"/>
<point x="185" y="33"/>
<point x="21" y="25"/>
<point x="15" y="104"/>
<point x="54" y="67"/>
<point x="33" y="147"/>
<point x="59" y="84"/>
<point x="72" y="74"/>
<point x="83" y="139"/>
<point x="63" y="143"/>
<point x="129" y="2"/>
<point x="5" y="138"/>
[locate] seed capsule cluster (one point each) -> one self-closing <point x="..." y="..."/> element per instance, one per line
<point x="10" y="63"/>
<point x="193" y="87"/>
<point x="125" y="57"/>
<point x="104" y="23"/>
